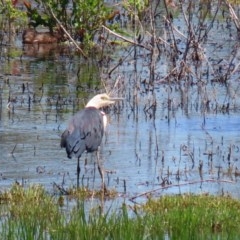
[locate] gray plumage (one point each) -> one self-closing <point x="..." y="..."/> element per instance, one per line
<point x="84" y="132"/>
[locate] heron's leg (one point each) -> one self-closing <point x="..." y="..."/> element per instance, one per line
<point x="101" y="172"/>
<point x="78" y="171"/>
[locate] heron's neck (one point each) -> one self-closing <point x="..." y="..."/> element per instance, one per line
<point x="104" y="120"/>
<point x="92" y="103"/>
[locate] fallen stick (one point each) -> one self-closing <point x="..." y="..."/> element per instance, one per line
<point x="124" y="38"/>
<point x="68" y="35"/>
<point x="178" y="185"/>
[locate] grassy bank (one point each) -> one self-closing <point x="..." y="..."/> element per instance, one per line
<point x="33" y="214"/>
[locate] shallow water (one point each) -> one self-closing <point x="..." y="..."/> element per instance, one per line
<point x="189" y="143"/>
<point x="140" y="152"/>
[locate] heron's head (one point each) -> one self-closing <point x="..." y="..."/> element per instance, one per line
<point x="101" y="100"/>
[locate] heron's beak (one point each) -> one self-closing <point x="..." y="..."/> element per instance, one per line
<point x="115" y="99"/>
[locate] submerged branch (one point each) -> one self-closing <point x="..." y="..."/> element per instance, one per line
<point x="178" y="185"/>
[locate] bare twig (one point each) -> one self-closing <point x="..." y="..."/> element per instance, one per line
<point x="12" y="152"/>
<point x="233" y="16"/>
<point x="66" y="32"/>
<point x="178" y="185"/>
<point x="124" y="38"/>
<point x="61" y="189"/>
<point x="171" y="28"/>
<point x="174" y="28"/>
<point x="118" y="64"/>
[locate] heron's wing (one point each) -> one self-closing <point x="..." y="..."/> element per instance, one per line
<point x="91" y="128"/>
<point x="85" y="132"/>
<point x="63" y="142"/>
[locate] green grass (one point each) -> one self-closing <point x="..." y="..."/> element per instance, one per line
<point x="197" y="217"/>
<point x="32" y="213"/>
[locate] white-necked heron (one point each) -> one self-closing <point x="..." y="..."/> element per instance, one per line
<point x="85" y="130"/>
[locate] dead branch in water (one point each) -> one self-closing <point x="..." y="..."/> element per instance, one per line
<point x="125" y="39"/>
<point x="178" y="185"/>
<point x="233" y="16"/>
<point x="12" y="152"/>
<point x="66" y="32"/>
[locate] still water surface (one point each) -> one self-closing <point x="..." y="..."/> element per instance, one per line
<point x="175" y="137"/>
<point x="139" y="152"/>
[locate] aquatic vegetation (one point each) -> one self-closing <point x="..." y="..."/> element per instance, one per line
<point x="27" y="213"/>
<point x="81" y="18"/>
<point x="7" y="8"/>
<point x="201" y="216"/>
<point x="32" y="213"/>
<point x="86" y="193"/>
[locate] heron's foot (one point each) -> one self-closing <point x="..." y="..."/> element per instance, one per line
<point x="104" y="188"/>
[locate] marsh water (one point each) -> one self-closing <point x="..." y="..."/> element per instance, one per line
<point x="172" y="137"/>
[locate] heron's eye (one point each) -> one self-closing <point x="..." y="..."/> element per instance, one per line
<point x="104" y="98"/>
